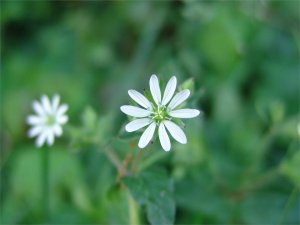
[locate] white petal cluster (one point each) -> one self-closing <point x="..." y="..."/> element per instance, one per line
<point x="159" y="113"/>
<point x="48" y="121"/>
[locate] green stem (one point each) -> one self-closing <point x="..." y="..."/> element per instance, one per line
<point x="46" y="184"/>
<point x="112" y="156"/>
<point x="133" y="211"/>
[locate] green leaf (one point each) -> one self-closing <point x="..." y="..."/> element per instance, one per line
<point x="154" y="190"/>
<point x="104" y="128"/>
<point x="188" y="84"/>
<point x="290" y="168"/>
<point x="272" y="204"/>
<point x="115" y="206"/>
<point x="89" y="118"/>
<point x="137" y="189"/>
<point x="197" y="192"/>
<point x="94" y="130"/>
<point x="65" y="178"/>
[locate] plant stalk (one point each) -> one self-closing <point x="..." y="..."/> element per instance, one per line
<point x="111" y="155"/>
<point x="46" y="163"/>
<point x="133" y="211"/>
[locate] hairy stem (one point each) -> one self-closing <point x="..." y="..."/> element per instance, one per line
<point x="112" y="156"/>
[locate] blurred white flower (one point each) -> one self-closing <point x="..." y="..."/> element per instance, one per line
<point x="48" y="121"/>
<point x="159" y="113"/>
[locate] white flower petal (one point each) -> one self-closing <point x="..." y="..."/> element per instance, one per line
<point x="57" y="130"/>
<point x="35" y="120"/>
<point x="38" y="108"/>
<point x="184" y="113"/>
<point x="140" y="99"/>
<point x="147" y="135"/>
<point x="55" y="103"/>
<point x="62" y="109"/>
<point x="46" y="124"/>
<point x="179" y="98"/>
<point x="41" y="139"/>
<point x="46" y="104"/>
<point x="176" y="132"/>
<point x="134" y="111"/>
<point x="62" y="119"/>
<point x="34" y="131"/>
<point x="163" y="137"/>
<point x="50" y="137"/>
<point x="169" y="91"/>
<point x="137" y="124"/>
<point x="155" y="90"/>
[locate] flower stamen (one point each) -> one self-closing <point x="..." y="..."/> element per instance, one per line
<point x="160" y="114"/>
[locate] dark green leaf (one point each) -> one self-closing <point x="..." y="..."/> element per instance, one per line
<point x="154" y="190"/>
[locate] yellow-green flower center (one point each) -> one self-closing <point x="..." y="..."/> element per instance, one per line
<point x="159" y="114"/>
<point x="50" y="120"/>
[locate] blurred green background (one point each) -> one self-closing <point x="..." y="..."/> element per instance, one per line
<point x="241" y="163"/>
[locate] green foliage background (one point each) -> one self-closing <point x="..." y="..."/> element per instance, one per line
<point x="241" y="60"/>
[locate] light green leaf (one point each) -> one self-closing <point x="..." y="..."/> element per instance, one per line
<point x="188" y="84"/>
<point x="89" y="118"/>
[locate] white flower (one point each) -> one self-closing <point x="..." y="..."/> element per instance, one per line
<point x="47" y="122"/>
<point x="159" y="113"/>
